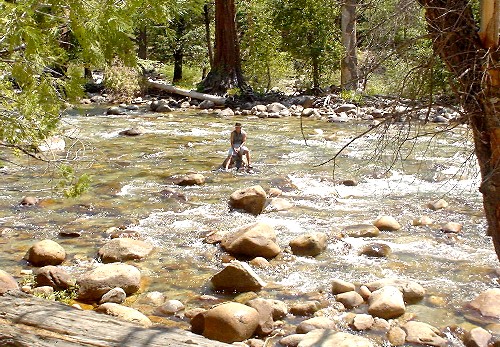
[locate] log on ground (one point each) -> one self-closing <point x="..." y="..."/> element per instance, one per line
<point x="218" y="100"/>
<point x="27" y="321"/>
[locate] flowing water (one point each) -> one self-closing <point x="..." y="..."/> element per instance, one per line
<point x="128" y="174"/>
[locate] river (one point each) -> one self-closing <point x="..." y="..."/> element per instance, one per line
<point x="128" y="174"/>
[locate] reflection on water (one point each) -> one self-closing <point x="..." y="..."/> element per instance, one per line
<point x="129" y="173"/>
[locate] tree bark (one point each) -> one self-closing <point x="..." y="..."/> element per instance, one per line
<point x="142" y="43"/>
<point x="180" y="29"/>
<point x="226" y="71"/>
<point x="349" y="77"/>
<point x="206" y="15"/>
<point x="475" y="64"/>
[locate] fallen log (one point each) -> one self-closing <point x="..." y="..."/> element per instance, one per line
<point x="27" y="321"/>
<point x="218" y="100"/>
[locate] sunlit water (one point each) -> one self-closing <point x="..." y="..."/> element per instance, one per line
<point x="128" y="174"/>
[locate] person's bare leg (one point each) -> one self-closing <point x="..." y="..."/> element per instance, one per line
<point x="248" y="158"/>
<point x="228" y="161"/>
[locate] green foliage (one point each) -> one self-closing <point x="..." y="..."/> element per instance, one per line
<point x="310" y="34"/>
<point x="71" y="185"/>
<point x="191" y="75"/>
<point x="66" y="296"/>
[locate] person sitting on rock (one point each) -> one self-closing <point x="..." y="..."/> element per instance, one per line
<point x="238" y="139"/>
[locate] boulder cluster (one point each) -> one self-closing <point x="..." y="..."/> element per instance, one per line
<point x="346" y="314"/>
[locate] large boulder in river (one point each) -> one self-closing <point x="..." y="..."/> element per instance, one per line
<point x="125" y="313"/>
<point x="423" y="334"/>
<point x="322" y="337"/>
<point x="386" y="302"/>
<point x="229" y="322"/>
<point x="7" y="282"/>
<point x="412" y="291"/>
<point x="310" y="244"/>
<point x="53" y="276"/>
<point x="253" y="240"/>
<point x="193" y="179"/>
<point x="45" y="252"/>
<point x="488" y="303"/>
<point x="123" y="249"/>
<point x="237" y="277"/>
<point x="252" y="199"/>
<point x="388" y="223"/>
<point x="95" y="283"/>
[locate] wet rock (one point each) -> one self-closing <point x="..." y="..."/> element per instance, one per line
<point x="115" y="111"/>
<point x="274" y="192"/>
<point x="132" y="132"/>
<point x="340" y="286"/>
<point x="291" y="340"/>
<point x="438" y="204"/>
<point x="71" y="233"/>
<point x="378" y="250"/>
<point x="265" y="310"/>
<point x="227" y="112"/>
<point x="396" y="336"/>
<point x="46" y="252"/>
<point x="237" y="277"/>
<point x="155" y="298"/>
<point x="350" y="183"/>
<point x="29" y="201"/>
<point x="123" y="249"/>
<point x="279" y="309"/>
<point x="126" y="313"/>
<point x="275" y="107"/>
<point x="388" y="223"/>
<point x="424" y="220"/>
<point x="254" y="240"/>
<point x="412" y="291"/>
<point x="252" y="199"/>
<point x="423" y="334"/>
<point x="362" y="322"/>
<point x="487" y="303"/>
<point x="45" y="291"/>
<point x="361" y="230"/>
<point x="214" y="236"/>
<point x="170" y="307"/>
<point x="345" y="108"/>
<point x="190" y="180"/>
<point x="115" y="295"/>
<point x="95" y="283"/>
<point x="259" y="262"/>
<point x="310" y="112"/>
<point x="314" y="323"/>
<point x="311" y="244"/>
<point x="206" y="104"/>
<point x="350" y="299"/>
<point x="451" y="227"/>
<point x="228" y="322"/>
<point x="477" y="337"/>
<point x="317" y="338"/>
<point x="54" y="277"/>
<point x="386" y="302"/>
<point x="278" y="204"/>
<point x="307" y="308"/>
<point x="7" y="282"/>
<point x="171" y="193"/>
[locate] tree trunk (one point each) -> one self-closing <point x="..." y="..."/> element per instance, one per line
<point x="474" y="60"/>
<point x="206" y="15"/>
<point x="315" y="72"/>
<point x="180" y="29"/>
<point x="226" y="70"/>
<point x="349" y="77"/>
<point x="142" y="43"/>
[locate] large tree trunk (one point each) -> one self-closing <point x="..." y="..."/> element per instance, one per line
<point x="349" y="77"/>
<point x="206" y="15"/>
<point x="180" y="29"/>
<point x="475" y="64"/>
<point x="142" y="43"/>
<point x="226" y="70"/>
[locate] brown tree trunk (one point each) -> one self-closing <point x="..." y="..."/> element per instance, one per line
<point x="226" y="70"/>
<point x="180" y="28"/>
<point x="142" y="43"/>
<point x="206" y="15"/>
<point x="349" y="78"/>
<point x="455" y="39"/>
